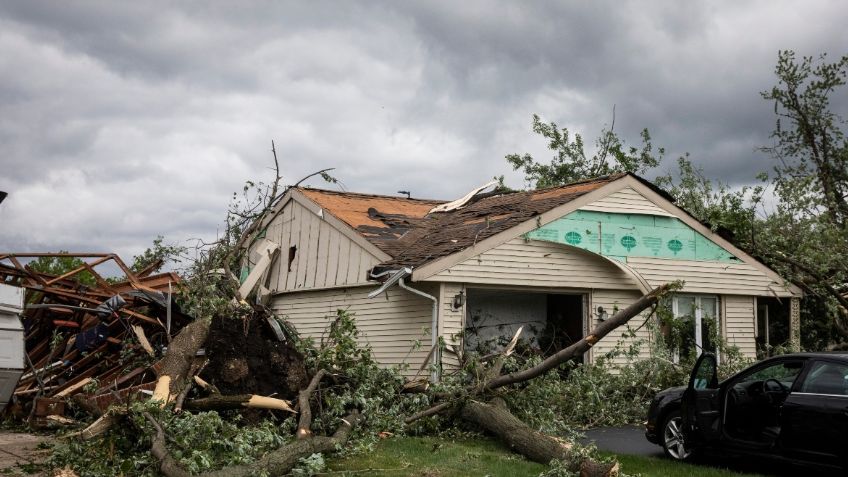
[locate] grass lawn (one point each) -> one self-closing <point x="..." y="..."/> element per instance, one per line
<point x="432" y="457"/>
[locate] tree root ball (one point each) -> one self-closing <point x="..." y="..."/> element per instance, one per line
<point x="245" y="357"/>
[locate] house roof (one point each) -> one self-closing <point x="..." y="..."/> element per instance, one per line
<point x="411" y="236"/>
<point x="380" y="219"/>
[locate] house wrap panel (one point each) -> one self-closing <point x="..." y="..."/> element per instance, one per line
<point x="391" y="323"/>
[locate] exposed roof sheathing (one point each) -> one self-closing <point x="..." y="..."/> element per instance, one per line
<point x="380" y="219"/>
<point x="403" y="228"/>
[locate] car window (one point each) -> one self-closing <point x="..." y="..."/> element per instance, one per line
<point x="785" y="372"/>
<point x="826" y="378"/>
<point x="705" y="373"/>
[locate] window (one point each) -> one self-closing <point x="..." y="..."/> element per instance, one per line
<point x="697" y="318"/>
<point x="826" y="378"/>
<point x="785" y="372"/>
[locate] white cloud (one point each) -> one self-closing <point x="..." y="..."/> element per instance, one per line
<point x="121" y="122"/>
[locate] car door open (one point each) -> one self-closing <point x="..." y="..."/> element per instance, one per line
<point x="700" y="403"/>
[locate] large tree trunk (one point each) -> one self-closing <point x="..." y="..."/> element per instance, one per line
<point x="536" y="446"/>
<point x="178" y="360"/>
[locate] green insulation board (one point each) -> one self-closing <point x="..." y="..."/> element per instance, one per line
<point x="620" y="236"/>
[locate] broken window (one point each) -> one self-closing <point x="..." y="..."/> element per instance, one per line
<point x="292" y="255"/>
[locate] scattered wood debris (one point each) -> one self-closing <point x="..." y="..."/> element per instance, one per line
<point x="101" y="340"/>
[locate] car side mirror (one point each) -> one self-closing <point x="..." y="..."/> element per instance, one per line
<point x="704" y="374"/>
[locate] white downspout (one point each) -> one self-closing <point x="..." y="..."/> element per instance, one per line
<point x="434" y="328"/>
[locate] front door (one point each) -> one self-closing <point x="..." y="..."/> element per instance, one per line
<point x="701" y="403"/>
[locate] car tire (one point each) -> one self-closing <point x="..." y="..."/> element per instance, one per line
<point x="671" y="437"/>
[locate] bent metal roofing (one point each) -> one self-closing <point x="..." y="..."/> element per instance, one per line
<point x="404" y="229"/>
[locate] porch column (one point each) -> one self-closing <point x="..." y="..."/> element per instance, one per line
<point x="795" y="323"/>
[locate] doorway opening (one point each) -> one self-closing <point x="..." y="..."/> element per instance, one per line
<point x="550" y="321"/>
<point x="772" y="326"/>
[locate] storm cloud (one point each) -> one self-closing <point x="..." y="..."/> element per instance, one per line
<point x="121" y="122"/>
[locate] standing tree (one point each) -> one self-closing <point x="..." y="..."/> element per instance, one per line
<point x="571" y="163"/>
<point x="806" y="237"/>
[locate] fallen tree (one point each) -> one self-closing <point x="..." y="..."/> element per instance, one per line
<point x="496" y="418"/>
<point x="361" y="394"/>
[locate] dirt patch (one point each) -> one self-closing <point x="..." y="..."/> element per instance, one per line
<point x="245" y="357"/>
<point x="21" y="452"/>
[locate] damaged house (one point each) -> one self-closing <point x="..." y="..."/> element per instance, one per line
<point x="555" y="261"/>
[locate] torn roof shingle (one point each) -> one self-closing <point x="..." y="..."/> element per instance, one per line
<point x="404" y="230"/>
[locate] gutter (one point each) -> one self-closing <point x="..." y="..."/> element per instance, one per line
<point x="397" y="276"/>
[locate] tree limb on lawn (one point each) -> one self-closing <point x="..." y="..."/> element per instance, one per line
<point x="277" y="462"/>
<point x="563" y="355"/>
<point x="496" y="418"/>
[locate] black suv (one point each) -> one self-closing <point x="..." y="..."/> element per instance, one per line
<point x="792" y="407"/>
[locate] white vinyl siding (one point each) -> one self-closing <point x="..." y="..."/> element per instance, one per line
<point x="612" y="301"/>
<point x="325" y="258"/>
<point x="390" y="323"/>
<point x="708" y="277"/>
<point x="626" y="201"/>
<point x="740" y="321"/>
<point x="539" y="264"/>
<point x="451" y="322"/>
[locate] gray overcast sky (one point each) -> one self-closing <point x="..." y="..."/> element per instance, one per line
<point x="121" y="121"/>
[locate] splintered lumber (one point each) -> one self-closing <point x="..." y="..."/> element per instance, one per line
<point x="72" y="389"/>
<point x="207" y="386"/>
<point x="142" y="339"/>
<point x="79" y="324"/>
<point x="219" y="403"/>
<point x="100" y="426"/>
<point x="416" y="386"/>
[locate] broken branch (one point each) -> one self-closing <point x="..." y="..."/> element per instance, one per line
<point x="304" y="425"/>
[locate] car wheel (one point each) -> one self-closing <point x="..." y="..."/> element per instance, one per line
<point x="673" y="441"/>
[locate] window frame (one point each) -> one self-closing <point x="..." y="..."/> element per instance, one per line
<point x="699" y="317"/>
<point x="801" y="380"/>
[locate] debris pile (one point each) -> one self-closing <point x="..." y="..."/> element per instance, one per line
<point x="96" y="342"/>
<point x="93" y="336"/>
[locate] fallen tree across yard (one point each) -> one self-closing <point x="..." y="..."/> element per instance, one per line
<point x="496" y="418"/>
<point x="317" y="397"/>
